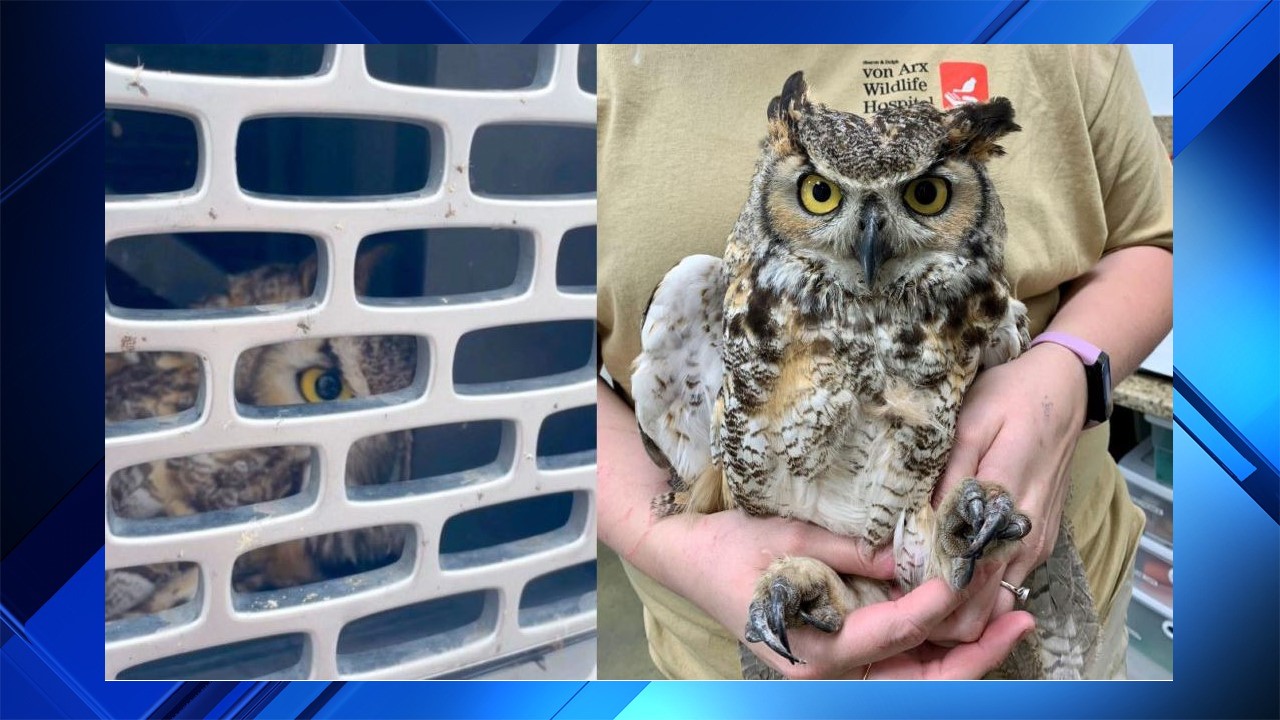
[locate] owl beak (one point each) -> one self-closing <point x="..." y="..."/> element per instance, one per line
<point x="871" y="248"/>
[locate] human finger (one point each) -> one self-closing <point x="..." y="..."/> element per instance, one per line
<point x="1015" y="574"/>
<point x="975" y="434"/>
<point x="968" y="661"/>
<point x="875" y="632"/>
<point x="968" y="622"/>
<point x="844" y="555"/>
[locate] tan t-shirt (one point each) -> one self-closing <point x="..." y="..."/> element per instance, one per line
<point x="679" y="134"/>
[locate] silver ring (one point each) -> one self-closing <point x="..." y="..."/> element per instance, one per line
<point x="1019" y="592"/>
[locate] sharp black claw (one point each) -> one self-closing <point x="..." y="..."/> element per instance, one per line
<point x="767" y="623"/>
<point x="994" y="521"/>
<point x="968" y="573"/>
<point x="784" y="652"/>
<point x="779" y="595"/>
<point x="759" y="630"/>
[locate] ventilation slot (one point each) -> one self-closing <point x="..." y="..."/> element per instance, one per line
<point x="510" y="530"/>
<point x="568" y="439"/>
<point x="333" y="158"/>
<point x="576" y="263"/>
<point x="457" y="67"/>
<point x="516" y="357"/>
<point x="417" y="631"/>
<point x="451" y="266"/>
<point x="309" y="377"/>
<point x="196" y="492"/>
<point x="149" y="153"/>
<point x="323" y="567"/>
<point x="443" y="457"/>
<point x="133" y="405"/>
<point x="533" y="160"/>
<point x="280" y="657"/>
<point x="237" y="60"/>
<point x="587" y="68"/>
<point x="209" y="273"/>
<point x="561" y="594"/>
<point x="149" y="598"/>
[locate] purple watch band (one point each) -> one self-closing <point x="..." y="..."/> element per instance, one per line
<point x="1087" y="352"/>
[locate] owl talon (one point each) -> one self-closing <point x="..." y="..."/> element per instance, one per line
<point x="792" y="592"/>
<point x="979" y="516"/>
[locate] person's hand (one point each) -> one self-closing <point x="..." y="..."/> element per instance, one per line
<point x="715" y="561"/>
<point x="1018" y="428"/>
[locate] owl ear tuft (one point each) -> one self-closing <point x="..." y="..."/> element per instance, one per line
<point x="973" y="129"/>
<point x="784" y="109"/>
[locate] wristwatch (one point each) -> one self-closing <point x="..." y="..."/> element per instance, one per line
<point x="1097" y="373"/>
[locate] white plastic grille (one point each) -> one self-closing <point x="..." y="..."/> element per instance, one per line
<point x="218" y="105"/>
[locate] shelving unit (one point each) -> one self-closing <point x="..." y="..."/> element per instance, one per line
<point x="1147" y="469"/>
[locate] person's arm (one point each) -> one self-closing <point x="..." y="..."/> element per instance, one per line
<point x="1020" y="421"/>
<point x="715" y="561"/>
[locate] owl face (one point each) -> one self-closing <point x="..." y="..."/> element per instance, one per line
<point x="872" y="198"/>
<point x="303" y="372"/>
<point x="316" y="370"/>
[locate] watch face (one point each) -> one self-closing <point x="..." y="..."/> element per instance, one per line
<point x="1098" y="376"/>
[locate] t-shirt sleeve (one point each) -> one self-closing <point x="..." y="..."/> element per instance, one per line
<point x="1134" y="170"/>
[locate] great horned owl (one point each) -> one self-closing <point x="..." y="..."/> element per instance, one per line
<point x="144" y="385"/>
<point x="816" y="372"/>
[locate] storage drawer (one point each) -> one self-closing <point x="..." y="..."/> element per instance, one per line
<point x="1153" y="570"/>
<point x="1155" y="500"/>
<point x="1150" y="627"/>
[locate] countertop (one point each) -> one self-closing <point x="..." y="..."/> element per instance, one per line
<point x="1146" y="392"/>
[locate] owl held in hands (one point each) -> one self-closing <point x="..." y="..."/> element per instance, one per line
<point x="817" y="370"/>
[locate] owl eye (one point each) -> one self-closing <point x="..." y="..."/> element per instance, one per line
<point x="927" y="195"/>
<point x="319" y="384"/>
<point x="819" y="195"/>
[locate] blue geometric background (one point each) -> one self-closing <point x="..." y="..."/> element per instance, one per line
<point x="1227" y="359"/>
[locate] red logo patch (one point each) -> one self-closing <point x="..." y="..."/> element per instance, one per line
<point x="963" y="83"/>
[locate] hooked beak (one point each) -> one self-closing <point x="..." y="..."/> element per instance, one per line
<point x="870" y="247"/>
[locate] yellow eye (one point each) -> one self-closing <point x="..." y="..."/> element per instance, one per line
<point x="319" y="384"/>
<point x="819" y="195"/>
<point x="927" y="195"/>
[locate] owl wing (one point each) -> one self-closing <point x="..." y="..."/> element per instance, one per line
<point x="677" y="376"/>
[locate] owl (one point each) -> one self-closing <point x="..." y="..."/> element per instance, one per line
<point x="143" y="385"/>
<point x="816" y="371"/>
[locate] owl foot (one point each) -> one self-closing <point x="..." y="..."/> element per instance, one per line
<point x="793" y="592"/>
<point x="973" y="518"/>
